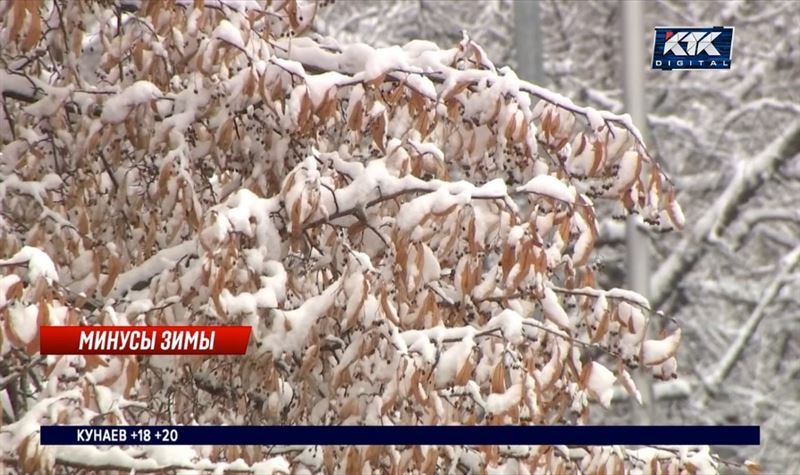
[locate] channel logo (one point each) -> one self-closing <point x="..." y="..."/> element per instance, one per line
<point x="692" y="48"/>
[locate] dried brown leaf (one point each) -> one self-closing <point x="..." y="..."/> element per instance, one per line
<point x="353" y="462"/>
<point x="499" y="378"/>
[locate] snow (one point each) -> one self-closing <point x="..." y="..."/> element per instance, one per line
<point x="116" y="109"/>
<point x="244" y="303"/>
<point x="498" y="403"/>
<point x="427" y="148"/>
<point x="248" y="204"/>
<point x="319" y="85"/>
<point x="225" y="31"/>
<point x="47" y="105"/>
<point x="452" y="360"/>
<point x="422" y="85"/>
<point x="629" y="167"/>
<point x="161" y="458"/>
<point x="657" y="351"/>
<point x="600" y="307"/>
<point x="39" y="264"/>
<point x="601" y="383"/>
<point x="300" y="321"/>
<point x="239" y="218"/>
<point x="354" y="57"/>
<point x="85" y="455"/>
<point x="702" y="460"/>
<point x="549" y="186"/>
<point x="152" y="266"/>
<point x="629" y="295"/>
<point x="581" y="157"/>
<point x="423" y="346"/>
<point x="548" y="374"/>
<point x="485" y="288"/>
<point x="381" y="61"/>
<point x="585" y="243"/>
<point x="279" y="399"/>
<point x="290" y="66"/>
<point x="23" y="320"/>
<point x="668" y="370"/>
<point x="412" y="212"/>
<point x="105" y="398"/>
<point x="415" y="48"/>
<point x="12" y="434"/>
<point x="35" y="189"/>
<point x="515" y="234"/>
<point x="553" y="310"/>
<point x="627" y="121"/>
<point x="510" y="322"/>
<point x="18" y="84"/>
<point x="273" y="465"/>
<point x="51" y="181"/>
<point x="431" y="269"/>
<point x="595" y="119"/>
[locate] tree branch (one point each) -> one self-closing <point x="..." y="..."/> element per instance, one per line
<point x="736" y="349"/>
<point x="748" y="180"/>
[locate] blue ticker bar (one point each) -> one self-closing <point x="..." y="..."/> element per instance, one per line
<point x="400" y="435"/>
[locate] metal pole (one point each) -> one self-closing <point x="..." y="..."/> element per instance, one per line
<point x="638" y="253"/>
<point x="528" y="40"/>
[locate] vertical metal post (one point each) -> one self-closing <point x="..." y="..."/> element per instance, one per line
<point x="528" y="40"/>
<point x="638" y="253"/>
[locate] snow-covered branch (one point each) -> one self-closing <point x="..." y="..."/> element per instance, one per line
<point x="739" y="345"/>
<point x="749" y="177"/>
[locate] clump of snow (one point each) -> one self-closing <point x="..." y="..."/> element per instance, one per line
<point x="22" y="320"/>
<point x="498" y="403"/>
<point x="629" y="295"/>
<point x="272" y="465"/>
<point x="290" y="328"/>
<point x="549" y="186"/>
<point x="601" y="383"/>
<point x="39" y="264"/>
<point x="553" y="310"/>
<point x="629" y="167"/>
<point x="116" y="109"/>
<point x="510" y="322"/>
<point x="452" y="360"/>
<point x="595" y="119"/>
<point x="320" y="85"/>
<point x="657" y="351"/>
<point x="225" y="31"/>
<point x="379" y="62"/>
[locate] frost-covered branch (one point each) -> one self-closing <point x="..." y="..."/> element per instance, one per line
<point x="165" y="259"/>
<point x="739" y="345"/>
<point x="749" y="177"/>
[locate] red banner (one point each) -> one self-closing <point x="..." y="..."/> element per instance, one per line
<point x="144" y="340"/>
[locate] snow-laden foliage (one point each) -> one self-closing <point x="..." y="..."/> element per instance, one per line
<point x="729" y="140"/>
<point x="408" y="230"/>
